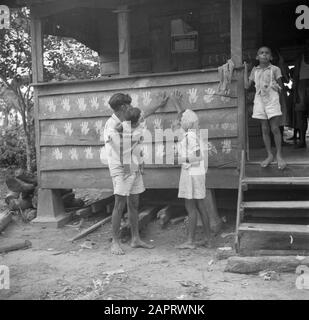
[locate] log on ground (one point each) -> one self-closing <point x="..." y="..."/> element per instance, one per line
<point x="251" y="265"/>
<point x="15" y="246"/>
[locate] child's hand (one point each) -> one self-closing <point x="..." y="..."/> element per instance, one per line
<point x="162" y="97"/>
<point x="177" y="95"/>
<point x="276" y="87"/>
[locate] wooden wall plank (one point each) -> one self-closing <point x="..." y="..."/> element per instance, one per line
<point x="86" y="131"/>
<point x="131" y="82"/>
<point x="153" y="178"/>
<point x="221" y="153"/>
<point x="81" y="105"/>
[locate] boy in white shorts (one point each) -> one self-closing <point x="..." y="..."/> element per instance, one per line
<point x="127" y="187"/>
<point x="267" y="109"/>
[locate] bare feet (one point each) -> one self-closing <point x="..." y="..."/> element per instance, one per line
<point x="141" y="244"/>
<point x="267" y="161"/>
<point x="116" y="249"/>
<point x="187" y="245"/>
<point x="281" y="163"/>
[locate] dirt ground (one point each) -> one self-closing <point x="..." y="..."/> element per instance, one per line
<point x="54" y="268"/>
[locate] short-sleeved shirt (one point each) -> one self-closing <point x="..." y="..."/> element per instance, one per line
<point x="265" y="77"/>
<point x="188" y="147"/>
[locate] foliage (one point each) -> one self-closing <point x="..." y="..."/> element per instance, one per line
<point x="12" y="148"/>
<point x="63" y="59"/>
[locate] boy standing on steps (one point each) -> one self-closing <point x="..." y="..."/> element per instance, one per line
<point x="267" y="109"/>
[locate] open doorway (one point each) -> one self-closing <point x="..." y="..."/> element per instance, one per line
<point x="287" y="44"/>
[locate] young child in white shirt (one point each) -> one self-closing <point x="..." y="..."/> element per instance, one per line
<point x="192" y="183"/>
<point x="267" y="109"/>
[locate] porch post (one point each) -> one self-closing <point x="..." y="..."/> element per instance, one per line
<point x="50" y="209"/>
<point x="236" y="55"/>
<point x="236" y="31"/>
<point x="124" y="40"/>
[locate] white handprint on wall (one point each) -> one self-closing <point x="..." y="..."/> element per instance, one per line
<point x="57" y="154"/>
<point x="73" y="154"/>
<point x="51" y="105"/>
<point x="146" y="98"/>
<point x="94" y="103"/>
<point x="226" y="146"/>
<point x="81" y="104"/>
<point x="211" y="149"/>
<point x="53" y="130"/>
<point x="225" y="99"/>
<point x="192" y="95"/>
<point x="209" y="96"/>
<point x="68" y="128"/>
<point x="134" y="97"/>
<point x="84" y="128"/>
<point x="157" y="123"/>
<point x="106" y="100"/>
<point x="98" y="126"/>
<point x="66" y="104"/>
<point x="89" y="153"/>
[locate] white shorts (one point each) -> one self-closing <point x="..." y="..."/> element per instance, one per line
<point x="191" y="186"/>
<point x="266" y="108"/>
<point x="132" y="184"/>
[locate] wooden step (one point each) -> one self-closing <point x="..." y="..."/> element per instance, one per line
<point x="277" y="180"/>
<point x="274" y="228"/>
<point x="276" y="205"/>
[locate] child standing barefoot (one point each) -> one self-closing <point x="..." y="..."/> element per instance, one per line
<point x="192" y="179"/>
<point x="267" y="109"/>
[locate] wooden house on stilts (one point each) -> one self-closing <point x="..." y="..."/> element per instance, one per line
<point x="148" y="46"/>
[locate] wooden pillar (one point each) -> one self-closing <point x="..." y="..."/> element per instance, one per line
<point x="50" y="204"/>
<point x="236" y="31"/>
<point x="124" y="40"/>
<point x="236" y="55"/>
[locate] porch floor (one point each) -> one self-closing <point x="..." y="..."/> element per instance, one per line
<point x="291" y="154"/>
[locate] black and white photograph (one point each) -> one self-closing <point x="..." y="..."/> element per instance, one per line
<point x="154" y="150"/>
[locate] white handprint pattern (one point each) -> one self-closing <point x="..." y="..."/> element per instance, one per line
<point x="106" y="100"/>
<point x="68" y="128"/>
<point x="94" y="103"/>
<point x="157" y="123"/>
<point x="146" y="98"/>
<point x="98" y="126"/>
<point x="84" y="128"/>
<point x="89" y="153"/>
<point x="209" y="96"/>
<point x="53" y="130"/>
<point x="66" y="104"/>
<point x="192" y="95"/>
<point x="57" y="154"/>
<point x="226" y="146"/>
<point x="225" y="99"/>
<point x="212" y="149"/>
<point x="73" y="154"/>
<point x="134" y="97"/>
<point x="51" y="105"/>
<point x="81" y="104"/>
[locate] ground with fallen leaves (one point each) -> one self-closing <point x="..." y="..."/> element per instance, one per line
<point x="54" y="268"/>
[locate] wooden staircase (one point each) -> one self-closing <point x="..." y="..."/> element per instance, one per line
<point x="274" y="207"/>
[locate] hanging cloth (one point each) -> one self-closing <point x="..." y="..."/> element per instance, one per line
<point x="225" y="77"/>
